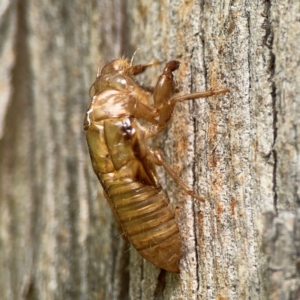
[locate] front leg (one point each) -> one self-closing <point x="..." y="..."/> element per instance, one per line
<point x="165" y="99"/>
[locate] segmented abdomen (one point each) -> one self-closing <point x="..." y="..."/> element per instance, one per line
<point x="148" y="221"/>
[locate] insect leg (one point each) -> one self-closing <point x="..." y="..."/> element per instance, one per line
<point x="165" y="112"/>
<point x="199" y="95"/>
<point x="138" y="69"/>
<point x="165" y="86"/>
<point x="163" y="92"/>
<point x="165" y="99"/>
<point x="159" y="160"/>
<point x="145" y="112"/>
<point x="167" y="108"/>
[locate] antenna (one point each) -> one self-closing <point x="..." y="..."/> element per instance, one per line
<point x="131" y="61"/>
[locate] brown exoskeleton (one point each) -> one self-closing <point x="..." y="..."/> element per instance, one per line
<point x="125" y="165"/>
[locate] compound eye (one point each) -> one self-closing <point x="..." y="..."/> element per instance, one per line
<point x="118" y="82"/>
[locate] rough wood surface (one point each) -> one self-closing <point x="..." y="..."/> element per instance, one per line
<point x="241" y="151"/>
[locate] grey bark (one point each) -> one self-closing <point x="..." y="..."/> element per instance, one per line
<point x="58" y="239"/>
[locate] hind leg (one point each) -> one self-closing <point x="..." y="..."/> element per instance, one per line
<point x="159" y="160"/>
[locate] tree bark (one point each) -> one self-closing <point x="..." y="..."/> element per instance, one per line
<point x="240" y="151"/>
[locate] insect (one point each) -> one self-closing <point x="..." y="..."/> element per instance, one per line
<point x="123" y="162"/>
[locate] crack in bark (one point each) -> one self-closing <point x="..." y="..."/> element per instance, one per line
<point x="195" y="225"/>
<point x="194" y="184"/>
<point x="268" y="42"/>
<point x="160" y="286"/>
